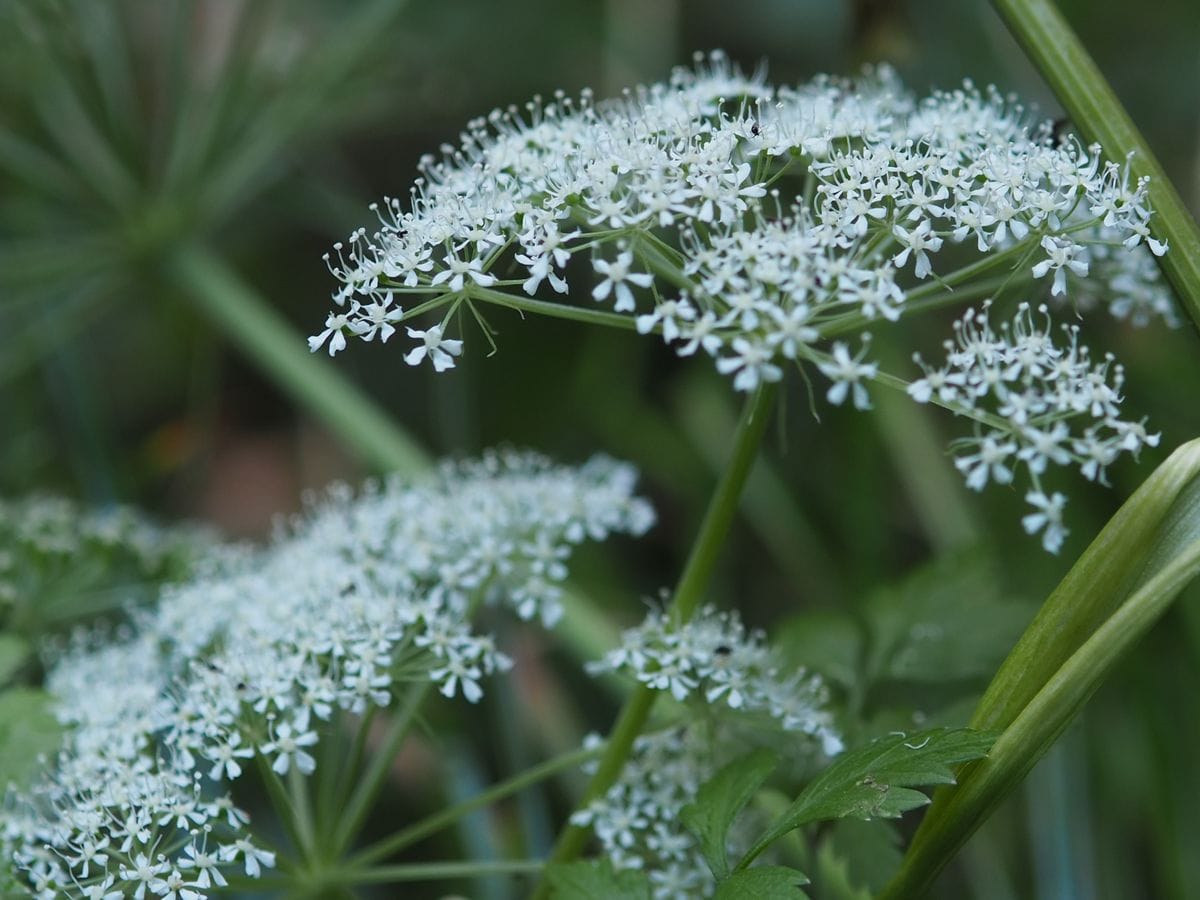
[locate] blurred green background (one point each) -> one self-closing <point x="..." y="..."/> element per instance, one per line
<point x="255" y="133"/>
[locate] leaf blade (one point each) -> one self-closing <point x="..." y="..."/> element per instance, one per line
<point x="876" y="781"/>
<point x="595" y="880"/>
<point x="763" y="883"/>
<point x="718" y="802"/>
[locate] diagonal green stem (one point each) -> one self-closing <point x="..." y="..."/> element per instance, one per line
<point x="1113" y="594"/>
<point x="250" y="322"/>
<point x="451" y="814"/>
<point x="692" y="583"/>
<point x="1093" y="106"/>
<point x="1038" y="726"/>
<point x="554" y="310"/>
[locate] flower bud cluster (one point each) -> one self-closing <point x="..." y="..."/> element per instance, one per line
<point x="1035" y="401"/>
<point x="245" y="665"/>
<point x="746" y="696"/>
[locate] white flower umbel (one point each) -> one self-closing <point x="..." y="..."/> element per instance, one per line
<point x="745" y="220"/>
<point x="637" y="821"/>
<point x="744" y="695"/>
<point x="715" y="659"/>
<point x="359" y="597"/>
<point x="1035" y="401"/>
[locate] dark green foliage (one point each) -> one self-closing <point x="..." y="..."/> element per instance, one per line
<point x="877" y="781"/>
<point x="596" y="880"/>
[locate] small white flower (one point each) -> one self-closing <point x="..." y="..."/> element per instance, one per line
<point x="453" y="275"/>
<point x="847" y="374"/>
<point x="920" y="242"/>
<point x="617" y="275"/>
<point x="253" y="858"/>
<point x="335" y="326"/>
<point x="289" y="743"/>
<point x="753" y="363"/>
<point x="989" y="462"/>
<point x="670" y="313"/>
<point x="376" y="319"/>
<point x="1048" y="516"/>
<point x="1064" y="254"/>
<point x="441" y="351"/>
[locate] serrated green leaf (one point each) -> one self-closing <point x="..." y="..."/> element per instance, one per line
<point x="875" y="781"/>
<point x="763" y="883"/>
<point x="595" y="879"/>
<point x="718" y="802"/>
<point x="27" y="730"/>
<point x="14" y="651"/>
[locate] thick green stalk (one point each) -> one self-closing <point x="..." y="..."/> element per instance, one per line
<point x="692" y="582"/>
<point x="250" y="322"/>
<point x="1094" y="108"/>
<point x="1120" y="586"/>
<point x="1039" y="725"/>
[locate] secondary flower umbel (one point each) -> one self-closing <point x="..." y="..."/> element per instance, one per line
<point x="251" y="661"/>
<point x="745" y="694"/>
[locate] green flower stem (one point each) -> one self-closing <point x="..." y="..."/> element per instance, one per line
<point x="302" y="808"/>
<point x="451" y="814"/>
<point x="554" y="310"/>
<point x="692" y="583"/>
<point x="382" y="758"/>
<point x="338" y="779"/>
<point x="927" y="302"/>
<point x="1094" y="108"/>
<point x="434" y="871"/>
<point x="250" y="322"/>
<point x="282" y="803"/>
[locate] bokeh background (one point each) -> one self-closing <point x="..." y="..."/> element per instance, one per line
<point x="136" y="132"/>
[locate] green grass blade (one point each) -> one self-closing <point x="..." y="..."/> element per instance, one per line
<point x="1118" y="589"/>
<point x="1094" y="108"/>
<point x="272" y="344"/>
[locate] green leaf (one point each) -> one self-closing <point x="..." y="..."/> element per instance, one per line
<point x="718" y="802"/>
<point x="27" y="730"/>
<point x="834" y="876"/>
<point x="866" y="853"/>
<point x="763" y="883"/>
<point x="827" y="642"/>
<point x="1114" y="593"/>
<point x="14" y="651"/>
<point x="945" y="622"/>
<point x="595" y="879"/>
<point x="875" y="781"/>
<point x="1092" y="104"/>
